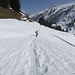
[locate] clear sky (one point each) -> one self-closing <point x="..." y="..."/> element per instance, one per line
<point x="34" y="6"/>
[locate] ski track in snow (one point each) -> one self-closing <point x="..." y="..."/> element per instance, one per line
<point x="53" y="61"/>
<point x="34" y="56"/>
<point x="13" y="52"/>
<point x="43" y="55"/>
<point x="64" y="40"/>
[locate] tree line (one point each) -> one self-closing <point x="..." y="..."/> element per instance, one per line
<point x="14" y="4"/>
<point x="50" y="24"/>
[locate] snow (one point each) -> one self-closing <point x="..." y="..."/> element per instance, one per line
<point x="21" y="53"/>
<point x="12" y="28"/>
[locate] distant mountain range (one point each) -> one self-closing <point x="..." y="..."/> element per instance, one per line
<point x="60" y="15"/>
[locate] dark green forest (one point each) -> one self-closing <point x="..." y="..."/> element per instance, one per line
<point x="14" y="4"/>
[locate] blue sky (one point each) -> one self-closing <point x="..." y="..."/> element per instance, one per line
<point x="34" y="6"/>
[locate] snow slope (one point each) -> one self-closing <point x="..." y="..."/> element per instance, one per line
<point x="21" y="53"/>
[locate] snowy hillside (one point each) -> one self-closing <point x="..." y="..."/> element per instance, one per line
<point x="63" y="15"/>
<point x="21" y="53"/>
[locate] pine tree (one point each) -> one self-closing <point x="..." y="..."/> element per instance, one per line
<point x="15" y="5"/>
<point x="4" y="3"/>
<point x="0" y="2"/>
<point x="41" y="20"/>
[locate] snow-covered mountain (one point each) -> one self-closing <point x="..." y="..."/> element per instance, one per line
<point x="63" y="15"/>
<point x="21" y="53"/>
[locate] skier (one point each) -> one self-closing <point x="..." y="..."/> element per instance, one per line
<point x="36" y="32"/>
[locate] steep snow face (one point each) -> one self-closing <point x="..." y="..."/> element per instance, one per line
<point x="63" y="15"/>
<point x="21" y="53"/>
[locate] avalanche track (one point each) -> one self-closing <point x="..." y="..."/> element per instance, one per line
<point x="42" y="55"/>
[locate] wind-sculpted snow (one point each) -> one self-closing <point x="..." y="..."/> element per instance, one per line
<point x="23" y="53"/>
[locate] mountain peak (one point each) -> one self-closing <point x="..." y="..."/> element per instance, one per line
<point x="63" y="15"/>
<point x="55" y="5"/>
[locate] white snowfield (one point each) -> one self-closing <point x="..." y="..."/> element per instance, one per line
<point x="21" y="53"/>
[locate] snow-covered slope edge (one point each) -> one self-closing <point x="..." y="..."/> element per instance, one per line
<point x="21" y="53"/>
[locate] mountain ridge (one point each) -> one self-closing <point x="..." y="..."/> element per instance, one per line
<point x="63" y="15"/>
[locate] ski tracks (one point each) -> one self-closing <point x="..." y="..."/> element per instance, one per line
<point x="35" y="56"/>
<point x="14" y="56"/>
<point x="52" y="59"/>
